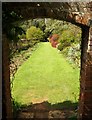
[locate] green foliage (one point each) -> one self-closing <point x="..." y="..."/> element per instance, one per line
<point x="60" y="47"/>
<point x="53" y="26"/>
<point x="69" y="36"/>
<point x="26" y="24"/>
<point x="73" y="54"/>
<point x="57" y="27"/>
<point x="65" y="39"/>
<point x="69" y="43"/>
<point x="34" y="33"/>
<point x="39" y="23"/>
<point x="16" y="106"/>
<point x="9" y="27"/>
<point x="13" y="33"/>
<point x="23" y="36"/>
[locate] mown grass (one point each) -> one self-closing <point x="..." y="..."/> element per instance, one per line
<point x="46" y="76"/>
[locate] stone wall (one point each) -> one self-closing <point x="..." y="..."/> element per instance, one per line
<point x="70" y="14"/>
<point x="6" y="94"/>
<point x="85" y="100"/>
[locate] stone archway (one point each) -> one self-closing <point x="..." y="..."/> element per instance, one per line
<point x="76" y="13"/>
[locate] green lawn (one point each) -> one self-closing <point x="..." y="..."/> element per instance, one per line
<point x="46" y="76"/>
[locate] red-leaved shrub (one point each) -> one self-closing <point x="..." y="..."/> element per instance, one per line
<point x="54" y="40"/>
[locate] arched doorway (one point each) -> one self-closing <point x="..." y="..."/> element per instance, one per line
<point x="60" y="11"/>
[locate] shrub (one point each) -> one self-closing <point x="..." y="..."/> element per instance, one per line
<point x="65" y="39"/>
<point x="23" y="36"/>
<point x="54" y="40"/>
<point x="73" y="54"/>
<point x="69" y="37"/>
<point x="34" y="33"/>
<point x="59" y="47"/>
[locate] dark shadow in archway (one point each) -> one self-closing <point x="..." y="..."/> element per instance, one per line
<point x="46" y="110"/>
